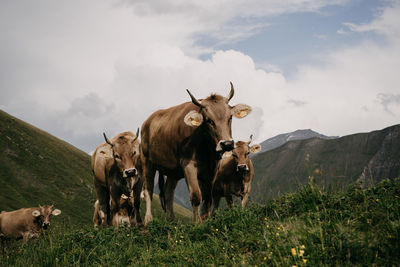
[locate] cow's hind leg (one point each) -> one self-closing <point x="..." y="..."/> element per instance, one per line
<point x="169" y="196"/>
<point x="148" y="174"/>
<point x="161" y="187"/>
<point x="214" y="204"/>
<point x="229" y="201"/>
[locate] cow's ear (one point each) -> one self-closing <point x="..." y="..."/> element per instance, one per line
<point x="123" y="196"/>
<point x="193" y="118"/>
<point x="56" y="212"/>
<point x="35" y="213"/>
<point x="241" y="110"/>
<point x="255" y="148"/>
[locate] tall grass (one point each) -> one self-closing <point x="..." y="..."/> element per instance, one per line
<point x="308" y="228"/>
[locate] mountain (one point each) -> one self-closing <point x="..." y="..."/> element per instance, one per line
<point x="331" y="163"/>
<point x="182" y="194"/>
<point x="282" y="139"/>
<point x="38" y="168"/>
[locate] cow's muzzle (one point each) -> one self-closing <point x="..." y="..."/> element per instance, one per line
<point x="130" y="172"/>
<point x="225" y="145"/>
<point x="242" y="167"/>
<point x="45" y="225"/>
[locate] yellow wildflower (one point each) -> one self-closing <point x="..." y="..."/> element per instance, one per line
<point x="265" y="258"/>
<point x="216" y="229"/>
<point x="305" y="260"/>
<point x="231" y="246"/>
<point x="277" y="234"/>
<point x="377" y="200"/>
<point x="301" y="253"/>
<point x="302" y="247"/>
<point x="293" y="250"/>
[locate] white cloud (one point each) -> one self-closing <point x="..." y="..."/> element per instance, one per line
<point x="85" y="68"/>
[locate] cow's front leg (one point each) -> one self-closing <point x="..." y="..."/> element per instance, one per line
<point x="190" y="169"/>
<point x="247" y="190"/>
<point x="137" y="189"/>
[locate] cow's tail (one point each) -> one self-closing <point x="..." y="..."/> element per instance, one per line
<point x="161" y="186"/>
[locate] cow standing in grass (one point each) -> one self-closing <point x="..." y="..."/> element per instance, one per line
<point x="187" y="140"/>
<point x="26" y="223"/>
<point x="234" y="175"/>
<point x="116" y="167"/>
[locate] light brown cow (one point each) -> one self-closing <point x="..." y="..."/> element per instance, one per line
<point x="234" y="175"/>
<point x="187" y="140"/>
<point x="116" y="167"/>
<point x="121" y="218"/>
<point x="26" y="222"/>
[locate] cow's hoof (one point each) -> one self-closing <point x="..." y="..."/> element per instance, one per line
<point x="148" y="218"/>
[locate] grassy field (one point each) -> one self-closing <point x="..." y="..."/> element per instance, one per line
<point x="307" y="228"/>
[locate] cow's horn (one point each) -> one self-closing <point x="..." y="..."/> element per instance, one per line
<point x="107" y="140"/>
<point x="137" y="135"/>
<point x="231" y="93"/>
<point x="250" y="139"/>
<point x="194" y="100"/>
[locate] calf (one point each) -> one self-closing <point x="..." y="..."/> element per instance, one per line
<point x="26" y="222"/>
<point x="121" y="218"/>
<point x="234" y="175"/>
<point x="116" y="166"/>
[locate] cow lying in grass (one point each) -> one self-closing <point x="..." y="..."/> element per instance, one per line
<point x="26" y="223"/>
<point x="121" y="218"/>
<point x="234" y="175"/>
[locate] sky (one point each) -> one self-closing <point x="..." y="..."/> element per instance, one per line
<point x="80" y="68"/>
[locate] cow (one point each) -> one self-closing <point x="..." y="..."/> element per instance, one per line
<point x="187" y="140"/>
<point x="234" y="175"/>
<point x="121" y="218"/>
<point x="26" y="223"/>
<point x="116" y="166"/>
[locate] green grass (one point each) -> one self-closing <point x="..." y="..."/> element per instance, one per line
<point x="354" y="227"/>
<point x="37" y="168"/>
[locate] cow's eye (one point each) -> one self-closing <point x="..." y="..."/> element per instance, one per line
<point x="230" y="119"/>
<point x="117" y="156"/>
<point x="211" y="122"/>
<point x="248" y="153"/>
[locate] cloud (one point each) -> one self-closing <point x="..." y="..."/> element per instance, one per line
<point x="86" y="68"/>
<point x="388" y="100"/>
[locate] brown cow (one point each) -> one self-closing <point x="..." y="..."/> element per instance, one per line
<point x="121" y="218"/>
<point x="234" y="175"/>
<point x="116" y="167"/>
<point x="187" y="140"/>
<point x="26" y="222"/>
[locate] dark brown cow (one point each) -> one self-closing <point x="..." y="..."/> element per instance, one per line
<point x="234" y="175"/>
<point x="26" y="222"/>
<point x="116" y="167"/>
<point x="187" y="141"/>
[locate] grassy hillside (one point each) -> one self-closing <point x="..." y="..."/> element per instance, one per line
<point x="311" y="227"/>
<point x="334" y="163"/>
<point x="38" y="168"/>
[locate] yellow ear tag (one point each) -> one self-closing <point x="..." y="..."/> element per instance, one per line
<point x="194" y="122"/>
<point x="104" y="153"/>
<point x="241" y="114"/>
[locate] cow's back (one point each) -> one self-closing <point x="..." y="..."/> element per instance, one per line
<point x="163" y="134"/>
<point x="101" y="162"/>
<point x="14" y="223"/>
